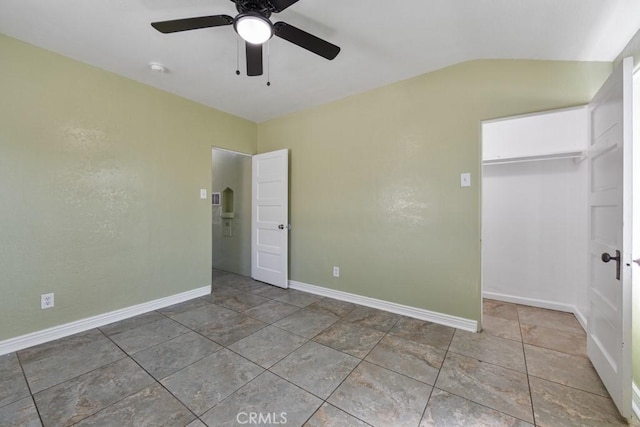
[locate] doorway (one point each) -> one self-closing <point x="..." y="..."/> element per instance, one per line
<point x="609" y="211"/>
<point x="533" y="210"/>
<point x="231" y="211"/>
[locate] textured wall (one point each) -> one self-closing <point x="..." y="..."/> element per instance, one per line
<point x="375" y="178"/>
<point x="99" y="189"/>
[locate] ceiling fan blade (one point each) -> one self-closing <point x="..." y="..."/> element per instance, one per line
<point x="306" y="40"/>
<point x="254" y="59"/>
<point x="281" y="5"/>
<point x="187" y="24"/>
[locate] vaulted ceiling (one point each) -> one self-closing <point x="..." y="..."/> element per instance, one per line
<point x="382" y="42"/>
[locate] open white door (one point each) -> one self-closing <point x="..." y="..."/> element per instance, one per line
<point x="270" y="218"/>
<point x="610" y="216"/>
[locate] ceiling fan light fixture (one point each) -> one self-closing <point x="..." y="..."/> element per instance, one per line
<point x="157" y="67"/>
<point x="253" y="27"/>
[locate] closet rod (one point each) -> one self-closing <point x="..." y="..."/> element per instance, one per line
<point x="578" y="156"/>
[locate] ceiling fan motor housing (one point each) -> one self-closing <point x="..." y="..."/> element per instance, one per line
<point x="261" y="7"/>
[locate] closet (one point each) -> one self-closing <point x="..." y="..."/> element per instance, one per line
<point x="534" y="210"/>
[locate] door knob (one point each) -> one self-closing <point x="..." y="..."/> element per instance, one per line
<point x="605" y="257"/>
<point x="281" y="227"/>
<point x="637" y="261"/>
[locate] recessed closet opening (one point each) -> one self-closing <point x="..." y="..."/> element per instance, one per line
<point x="534" y="210"/>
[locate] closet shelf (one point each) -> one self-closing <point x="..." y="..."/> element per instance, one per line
<point x="578" y="156"/>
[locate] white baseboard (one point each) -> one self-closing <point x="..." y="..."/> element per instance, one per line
<point x="405" y="310"/>
<point x="50" y="334"/>
<point x="635" y="400"/>
<point x="551" y="305"/>
<point x="582" y="317"/>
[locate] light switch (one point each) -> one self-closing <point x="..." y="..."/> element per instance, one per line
<point x="465" y="179"/>
<point x="203" y="193"/>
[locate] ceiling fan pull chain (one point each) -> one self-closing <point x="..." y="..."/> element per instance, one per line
<point x="237" y="55"/>
<point x="268" y="63"/>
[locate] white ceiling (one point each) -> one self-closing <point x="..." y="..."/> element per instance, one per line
<point x="382" y="42"/>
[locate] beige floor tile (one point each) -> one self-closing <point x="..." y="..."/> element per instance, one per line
<point x="558" y="405"/>
<point x="563" y="368"/>
<point x="415" y="360"/>
<point x="350" y="338"/>
<point x="572" y="342"/>
<point x="316" y="368"/>
<point x="429" y="333"/>
<point x="549" y="318"/>
<point x="485" y="347"/>
<point x="502" y="389"/>
<point x="278" y="401"/>
<point x="500" y="327"/>
<point x="271" y="311"/>
<point x="504" y="310"/>
<point x="330" y="416"/>
<point x="306" y="323"/>
<point x="210" y="380"/>
<point x="381" y="397"/>
<point x="267" y="346"/>
<point x="446" y="409"/>
<point x="22" y="413"/>
<point x="332" y="306"/>
<point x="152" y="406"/>
<point x="13" y="386"/>
<point x="372" y="318"/>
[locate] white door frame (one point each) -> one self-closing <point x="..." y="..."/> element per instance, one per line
<point x="635" y="244"/>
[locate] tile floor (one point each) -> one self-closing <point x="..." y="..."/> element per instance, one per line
<point x="298" y="358"/>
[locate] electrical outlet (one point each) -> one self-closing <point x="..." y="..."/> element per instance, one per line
<point x="46" y="301"/>
<point x="336" y="271"/>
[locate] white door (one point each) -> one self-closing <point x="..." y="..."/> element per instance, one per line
<point x="270" y="218"/>
<point x="610" y="215"/>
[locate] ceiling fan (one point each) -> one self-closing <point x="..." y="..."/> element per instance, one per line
<point x="253" y="25"/>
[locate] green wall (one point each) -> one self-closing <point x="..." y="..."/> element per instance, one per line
<point x="375" y="178"/>
<point x="99" y="189"/>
